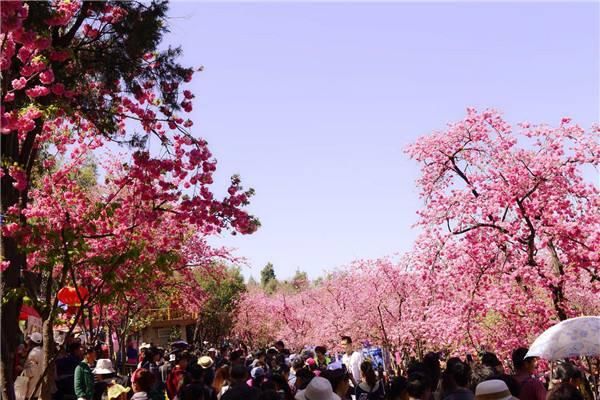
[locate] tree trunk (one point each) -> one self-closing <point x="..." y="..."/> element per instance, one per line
<point x="11" y="298"/>
<point x="48" y="356"/>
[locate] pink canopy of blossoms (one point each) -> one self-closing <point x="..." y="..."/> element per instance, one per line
<point x="510" y="244"/>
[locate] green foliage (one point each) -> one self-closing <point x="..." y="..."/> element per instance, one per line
<point x="216" y="319"/>
<point x="268" y="280"/>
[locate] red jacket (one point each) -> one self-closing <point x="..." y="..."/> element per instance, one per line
<point x="174" y="381"/>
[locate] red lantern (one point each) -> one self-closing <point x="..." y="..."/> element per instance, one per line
<point x="68" y="295"/>
<point x="71" y="310"/>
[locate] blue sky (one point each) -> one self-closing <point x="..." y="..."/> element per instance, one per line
<point x="313" y="104"/>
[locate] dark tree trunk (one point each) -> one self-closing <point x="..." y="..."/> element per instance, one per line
<point x="11" y="298"/>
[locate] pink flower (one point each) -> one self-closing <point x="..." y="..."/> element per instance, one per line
<point x="187" y="106"/>
<point x="58" y="89"/>
<point x="4" y="265"/>
<point x="19" y="84"/>
<point x="47" y="77"/>
<point x="90" y="32"/>
<point x="25" y="125"/>
<point x="37" y="91"/>
<point x="24" y="54"/>
<point x="9" y="97"/>
<point x="10" y="229"/>
<point x="19" y="177"/>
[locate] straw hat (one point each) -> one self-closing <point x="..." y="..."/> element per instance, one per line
<point x="205" y="362"/>
<point x="116" y="390"/>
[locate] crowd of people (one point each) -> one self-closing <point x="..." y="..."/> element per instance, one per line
<point x="276" y="373"/>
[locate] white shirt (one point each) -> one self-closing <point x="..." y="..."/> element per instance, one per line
<point x="352" y="363"/>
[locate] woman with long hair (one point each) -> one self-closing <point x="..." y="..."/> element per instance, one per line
<point x="221" y="380"/>
<point x="369" y="388"/>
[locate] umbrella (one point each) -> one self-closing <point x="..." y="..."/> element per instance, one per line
<point x="180" y="343"/>
<point x="570" y="338"/>
<point x="26" y="312"/>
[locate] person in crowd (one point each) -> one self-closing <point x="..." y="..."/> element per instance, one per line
<point x="260" y="356"/>
<point x="481" y="373"/>
<point x="65" y="370"/>
<point x="223" y="356"/>
<point x="492" y="361"/>
<point x="141" y="383"/>
<point x="431" y="365"/>
<point x="207" y="364"/>
<point x="166" y="367"/>
<point x="567" y="372"/>
<point x="351" y="359"/>
<point x="418" y="386"/>
<point x="297" y="364"/>
<point x="153" y="362"/>
<point x="235" y="358"/>
<point x="529" y="387"/>
<point x="455" y="380"/>
<point x="369" y="388"/>
<point x="103" y="376"/>
<point x="565" y="391"/>
<point x="303" y="378"/>
<point x="321" y="357"/>
<point x="397" y="389"/>
<point x="177" y="375"/>
<point x="143" y="354"/>
<point x="280" y="346"/>
<point x="493" y="389"/>
<point x="311" y="364"/>
<point x="33" y="364"/>
<point x="83" y="377"/>
<point x="318" y="389"/>
<point x="340" y="382"/>
<point x="281" y="387"/>
<point x="257" y="376"/>
<point x="221" y="381"/>
<point x="194" y="387"/>
<point x="239" y="390"/>
<point x="284" y="370"/>
<point x="131" y="353"/>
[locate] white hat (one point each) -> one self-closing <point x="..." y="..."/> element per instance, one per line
<point x="145" y="346"/>
<point x="35" y="337"/>
<point x="493" y="389"/>
<point x="104" y="366"/>
<point x="205" y="362"/>
<point x="318" y="389"/>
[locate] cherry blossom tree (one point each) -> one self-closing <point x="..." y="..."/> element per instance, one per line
<point x="509" y="218"/>
<point x="75" y="76"/>
<point x="508" y="246"/>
